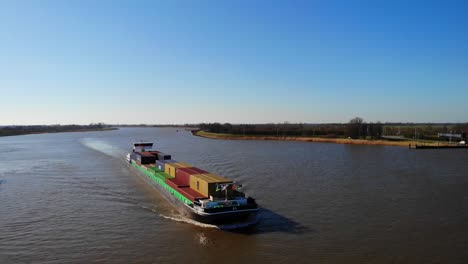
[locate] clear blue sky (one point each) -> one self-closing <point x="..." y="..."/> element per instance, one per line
<point x="233" y="61"/>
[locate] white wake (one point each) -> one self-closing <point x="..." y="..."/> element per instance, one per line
<point x="103" y="147"/>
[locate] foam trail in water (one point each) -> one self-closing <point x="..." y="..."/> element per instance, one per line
<point x="103" y="147"/>
<point x="178" y="218"/>
<point x="230" y="226"/>
<point x="203" y="239"/>
<point x="181" y="218"/>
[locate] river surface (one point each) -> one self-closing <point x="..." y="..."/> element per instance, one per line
<point x="70" y="198"/>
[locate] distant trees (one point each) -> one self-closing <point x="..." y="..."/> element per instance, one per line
<point x="356" y="128"/>
<point x="375" y="130"/>
<point x="462" y="129"/>
<point x="280" y="129"/>
<point x="23" y="130"/>
<point x="97" y="125"/>
<point x="217" y="127"/>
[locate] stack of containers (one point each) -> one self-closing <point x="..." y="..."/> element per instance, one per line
<point x="190" y="194"/>
<point x="144" y="157"/>
<point x="171" y="168"/>
<point x="181" y="182"/>
<point x="163" y="156"/>
<point x="183" y="174"/>
<point x="206" y="184"/>
<point x="161" y="164"/>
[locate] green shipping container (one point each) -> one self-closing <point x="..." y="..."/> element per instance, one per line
<point x="155" y="169"/>
<point x="164" y="175"/>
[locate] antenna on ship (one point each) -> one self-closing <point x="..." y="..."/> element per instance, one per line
<point x="223" y="187"/>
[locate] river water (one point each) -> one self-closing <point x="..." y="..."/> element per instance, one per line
<point x="70" y="198"/>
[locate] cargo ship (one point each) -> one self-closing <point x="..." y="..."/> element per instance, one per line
<point x="197" y="194"/>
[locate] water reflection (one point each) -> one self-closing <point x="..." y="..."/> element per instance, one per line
<point x="271" y="222"/>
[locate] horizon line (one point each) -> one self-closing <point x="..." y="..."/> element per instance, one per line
<point x="222" y="123"/>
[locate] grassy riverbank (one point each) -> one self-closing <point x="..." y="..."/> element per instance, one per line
<point x="28" y="130"/>
<point x="318" y="139"/>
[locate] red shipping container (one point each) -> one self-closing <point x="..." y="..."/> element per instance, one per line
<point x="146" y="153"/>
<point x="183" y="174"/>
<point x="174" y="183"/>
<point x="190" y="194"/>
<point x="153" y="152"/>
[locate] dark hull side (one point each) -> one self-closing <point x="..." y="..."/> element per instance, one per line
<point x="231" y="217"/>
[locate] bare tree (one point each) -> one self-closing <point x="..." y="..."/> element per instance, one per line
<point x="354" y="127"/>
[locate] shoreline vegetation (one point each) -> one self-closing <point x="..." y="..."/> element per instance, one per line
<point x="378" y="142"/>
<point x="6" y="131"/>
<point x="355" y="132"/>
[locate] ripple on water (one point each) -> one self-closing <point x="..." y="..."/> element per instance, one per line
<point x="69" y="199"/>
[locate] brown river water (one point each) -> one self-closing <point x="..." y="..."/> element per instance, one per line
<point x="70" y="198"/>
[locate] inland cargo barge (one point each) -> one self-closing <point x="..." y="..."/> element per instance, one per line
<point x="197" y="194"/>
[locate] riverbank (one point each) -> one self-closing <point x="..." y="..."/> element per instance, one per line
<point x="10" y="133"/>
<point x="379" y="142"/>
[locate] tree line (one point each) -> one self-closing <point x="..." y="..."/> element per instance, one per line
<point x="356" y="128"/>
<point x="24" y="130"/>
